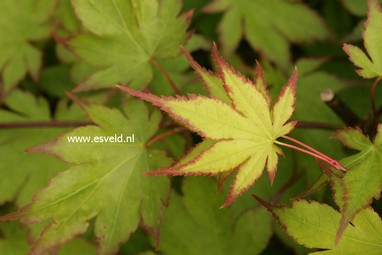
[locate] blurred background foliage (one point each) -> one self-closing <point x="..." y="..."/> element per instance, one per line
<point x="39" y="62"/>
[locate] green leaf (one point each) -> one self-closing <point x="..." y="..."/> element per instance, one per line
<point x="314" y="225"/>
<point x="245" y="133"/>
<point x="356" y="7"/>
<point x="193" y="224"/>
<point x="267" y="25"/>
<point x="132" y="36"/>
<point x="370" y="64"/>
<point x="18" y="181"/>
<point x="178" y="70"/>
<point x="363" y="181"/>
<point x="56" y="80"/>
<point x="67" y="20"/>
<point x="78" y="246"/>
<point x="104" y="183"/>
<point x="18" y="30"/>
<point x="13" y="239"/>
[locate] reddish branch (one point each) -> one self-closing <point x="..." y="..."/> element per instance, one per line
<point x="316" y="125"/>
<point x="31" y="124"/>
<point x="163" y="135"/>
<point x="164" y="72"/>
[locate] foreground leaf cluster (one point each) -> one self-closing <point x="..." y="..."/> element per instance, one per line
<point x="244" y="138"/>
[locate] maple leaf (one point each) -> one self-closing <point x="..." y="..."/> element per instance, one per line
<point x="66" y="18"/>
<point x="314" y="225"/>
<point x="134" y="35"/>
<point x="193" y="224"/>
<point x="14" y="240"/>
<point x="19" y="181"/>
<point x="363" y="181"/>
<point x="268" y="26"/>
<point x="18" y="30"/>
<point x="370" y="65"/>
<point x="105" y="183"/>
<point x="245" y="133"/>
<point x="356" y="7"/>
<point x="178" y="74"/>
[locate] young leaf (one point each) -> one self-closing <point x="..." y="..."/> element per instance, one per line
<point x="268" y="26"/>
<point x="370" y="65"/>
<point x="314" y="225"/>
<point x="18" y="30"/>
<point x="363" y="181"/>
<point x="245" y="133"/>
<point x="193" y="224"/>
<point x="105" y="183"/>
<point x="132" y="36"/>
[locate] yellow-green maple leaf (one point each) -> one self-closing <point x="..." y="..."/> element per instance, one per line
<point x="370" y="64"/>
<point x="243" y="133"/>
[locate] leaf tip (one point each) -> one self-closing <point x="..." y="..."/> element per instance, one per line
<point x="228" y="201"/>
<point x="345" y="47"/>
<point x="154" y="231"/>
<point x="188" y="15"/>
<point x="215" y="53"/>
<point x="41" y="148"/>
<point x="293" y="79"/>
<point x="259" y="72"/>
<point x="272" y="174"/>
<point x="260" y="82"/>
